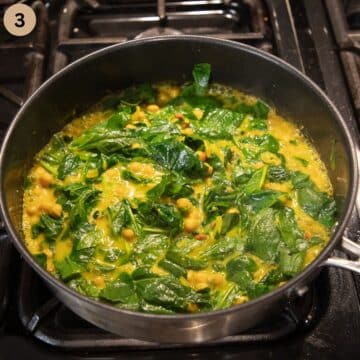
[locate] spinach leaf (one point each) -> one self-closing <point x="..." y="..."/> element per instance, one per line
<point x="84" y="287"/>
<point x="107" y="141"/>
<point x="49" y="226"/>
<point x="68" y="164"/>
<point x="177" y="257"/>
<point x="256" y="181"/>
<point x="163" y="216"/>
<point x="116" y="121"/>
<point x="290" y="265"/>
<point x="223" y="247"/>
<point x="318" y="205"/>
<point x="142" y="272"/>
<point x="264" y="237"/>
<point x="172" y="268"/>
<point x="257" y="124"/>
<point x="292" y="236"/>
<point x="121" y="291"/>
<point x="219" y="124"/>
<point x="201" y="74"/>
<point x="265" y="142"/>
<point x="149" y="248"/>
<point x="130" y="176"/>
<point x="169" y="293"/>
<point x="172" y="185"/>
<point x="262" y="199"/>
<point x="278" y="173"/>
<point x="120" y="216"/>
<point x="85" y="239"/>
<point x="78" y="200"/>
<point x="67" y="268"/>
<point x="175" y="156"/>
<point x="229" y="220"/>
<point x="54" y="153"/>
<point x="225" y="298"/>
<point x="41" y="259"/>
<point x="218" y="199"/>
<point x="258" y="110"/>
<point x="239" y="270"/>
<point x="143" y="93"/>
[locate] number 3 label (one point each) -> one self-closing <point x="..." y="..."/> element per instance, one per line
<point x="19" y="20"/>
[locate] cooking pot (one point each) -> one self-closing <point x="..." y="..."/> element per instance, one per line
<point x="85" y="81"/>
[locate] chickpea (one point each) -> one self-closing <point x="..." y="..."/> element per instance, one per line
<point x="99" y="281"/>
<point x="184" y="204"/>
<point x="198" y="113"/>
<point x="210" y="170"/>
<point x="130" y="126"/>
<point x="43" y="177"/>
<point x="191" y="224"/>
<point x="201" y="155"/>
<point x="152" y="108"/>
<point x="128" y="234"/>
<point x="31" y="210"/>
<point x="187" y="131"/>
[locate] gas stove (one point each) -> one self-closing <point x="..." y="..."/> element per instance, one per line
<point x="320" y="38"/>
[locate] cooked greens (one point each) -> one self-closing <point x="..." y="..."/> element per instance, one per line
<point x="175" y="199"/>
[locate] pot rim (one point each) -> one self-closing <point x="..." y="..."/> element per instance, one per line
<point x="274" y="294"/>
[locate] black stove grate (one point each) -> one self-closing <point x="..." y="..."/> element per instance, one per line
<point x="276" y="26"/>
<point x="347" y="35"/>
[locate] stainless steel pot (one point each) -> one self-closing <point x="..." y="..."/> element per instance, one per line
<point x="163" y="58"/>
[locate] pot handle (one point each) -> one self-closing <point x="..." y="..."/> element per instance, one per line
<point x="351" y="248"/>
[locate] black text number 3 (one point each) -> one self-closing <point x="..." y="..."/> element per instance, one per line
<point x="19" y="20"/>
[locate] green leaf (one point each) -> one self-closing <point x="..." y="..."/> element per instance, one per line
<point x="168" y="293"/>
<point x="130" y="176"/>
<point x="239" y="270"/>
<point x="49" y="226"/>
<point x="117" y="121"/>
<point x="292" y="236"/>
<point x="175" y="156"/>
<point x="171" y="185"/>
<point x="258" y="110"/>
<point x="223" y="247"/>
<point x="257" y="124"/>
<point x="143" y="93"/>
<point x="218" y="199"/>
<point x="278" y="173"/>
<point x="85" y="239"/>
<point x="172" y="268"/>
<point x="176" y="256"/>
<point x="163" y="216"/>
<point x="256" y="181"/>
<point x="41" y="259"/>
<point x="201" y="74"/>
<point x="229" y="220"/>
<point x="219" y="124"/>
<point x="69" y="164"/>
<point x="264" y="237"/>
<point x="225" y="297"/>
<point x="149" y="248"/>
<point x="67" y="268"/>
<point x="142" y="272"/>
<point x="265" y="142"/>
<point x="119" y="291"/>
<point x="291" y="265"/>
<point x="262" y="199"/>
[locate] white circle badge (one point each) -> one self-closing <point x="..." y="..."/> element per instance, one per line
<point x="19" y="19"/>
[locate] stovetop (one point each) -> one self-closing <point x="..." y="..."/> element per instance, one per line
<point x="318" y="37"/>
